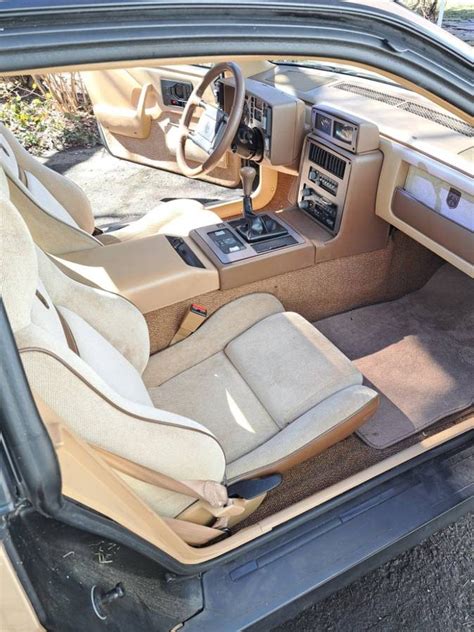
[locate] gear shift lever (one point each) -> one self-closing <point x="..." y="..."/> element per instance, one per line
<point x="247" y="176"/>
<point x="255" y="227"/>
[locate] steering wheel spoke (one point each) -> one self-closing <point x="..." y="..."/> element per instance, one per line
<point x="215" y="129"/>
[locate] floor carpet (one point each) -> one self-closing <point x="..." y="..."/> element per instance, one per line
<point x="417" y="352"/>
<point x="335" y="464"/>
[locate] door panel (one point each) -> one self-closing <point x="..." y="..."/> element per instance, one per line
<point x="138" y="111"/>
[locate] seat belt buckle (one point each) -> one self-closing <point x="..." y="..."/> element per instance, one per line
<point x="195" y="317"/>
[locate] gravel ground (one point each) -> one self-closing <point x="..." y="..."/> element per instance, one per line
<point x="429" y="588"/>
<point x="136" y="189"/>
<point x="462" y="28"/>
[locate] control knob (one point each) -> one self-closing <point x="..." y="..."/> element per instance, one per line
<point x="306" y="205"/>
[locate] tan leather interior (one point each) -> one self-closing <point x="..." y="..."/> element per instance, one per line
<point x="59" y="213"/>
<point x="321" y="290"/>
<point x="147" y="271"/>
<point x="134" y="121"/>
<point x="115" y="97"/>
<point x="206" y="396"/>
<point x="87" y="479"/>
<point x="256" y="389"/>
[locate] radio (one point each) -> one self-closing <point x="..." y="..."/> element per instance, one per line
<point x="323" y="183"/>
<point x="319" y="207"/>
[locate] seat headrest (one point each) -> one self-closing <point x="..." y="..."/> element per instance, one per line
<point x="19" y="263"/>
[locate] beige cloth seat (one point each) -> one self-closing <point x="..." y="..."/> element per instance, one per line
<point x="254" y="390"/>
<point x="59" y="215"/>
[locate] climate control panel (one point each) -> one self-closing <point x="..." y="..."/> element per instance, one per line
<point x="326" y="183"/>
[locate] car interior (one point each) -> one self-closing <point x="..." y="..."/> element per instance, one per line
<point x="209" y="372"/>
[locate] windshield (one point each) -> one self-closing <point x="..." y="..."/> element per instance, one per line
<point x="331" y="67"/>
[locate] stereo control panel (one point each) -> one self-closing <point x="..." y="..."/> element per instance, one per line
<point x="324" y="176"/>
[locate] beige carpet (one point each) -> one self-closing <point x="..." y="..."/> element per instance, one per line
<point x="335" y="464"/>
<point x="319" y="291"/>
<point x="417" y="352"/>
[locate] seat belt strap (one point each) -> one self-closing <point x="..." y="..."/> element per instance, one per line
<point x="194" y="318"/>
<point x="194" y="534"/>
<point x="211" y="492"/>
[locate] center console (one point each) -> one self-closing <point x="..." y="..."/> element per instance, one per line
<point x="229" y="245"/>
<point x="323" y="184"/>
<point x="334" y="216"/>
<point x="327" y="162"/>
<point x="254" y="246"/>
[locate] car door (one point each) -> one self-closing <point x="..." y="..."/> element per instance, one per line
<point x="138" y="112"/>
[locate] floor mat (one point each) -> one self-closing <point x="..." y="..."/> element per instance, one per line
<point x="417" y="352"/>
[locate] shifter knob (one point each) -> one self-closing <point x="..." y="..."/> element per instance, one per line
<point x="247" y="175"/>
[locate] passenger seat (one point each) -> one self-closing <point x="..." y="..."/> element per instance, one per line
<point x="255" y="390"/>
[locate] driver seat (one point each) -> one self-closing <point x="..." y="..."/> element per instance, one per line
<point x="58" y="212"/>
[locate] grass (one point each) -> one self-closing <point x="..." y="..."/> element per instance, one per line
<point x="38" y="121"/>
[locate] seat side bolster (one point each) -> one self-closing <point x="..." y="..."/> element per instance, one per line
<point x="331" y="421"/>
<point x="157" y="439"/>
<point x="113" y="316"/>
<point x="224" y="325"/>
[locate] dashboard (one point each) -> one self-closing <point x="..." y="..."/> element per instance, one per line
<point x="415" y="156"/>
<point x="276" y="120"/>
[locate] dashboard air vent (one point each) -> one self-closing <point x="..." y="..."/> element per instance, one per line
<point x="327" y="160"/>
<point x="409" y="106"/>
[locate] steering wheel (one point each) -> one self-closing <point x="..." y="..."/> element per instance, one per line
<point x="215" y="129"/>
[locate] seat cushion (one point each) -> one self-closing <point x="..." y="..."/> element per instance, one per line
<point x="276" y="393"/>
<point x="214" y="391"/>
<point x="327" y="423"/>
<point x="177" y="217"/>
<point x="290" y="365"/>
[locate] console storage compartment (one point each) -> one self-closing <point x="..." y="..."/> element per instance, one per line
<point x="149" y="271"/>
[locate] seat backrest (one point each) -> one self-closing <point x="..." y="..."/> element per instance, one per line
<point x="56" y="210"/>
<point x="84" y="351"/>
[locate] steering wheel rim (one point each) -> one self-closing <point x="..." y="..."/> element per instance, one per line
<point x="231" y="124"/>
